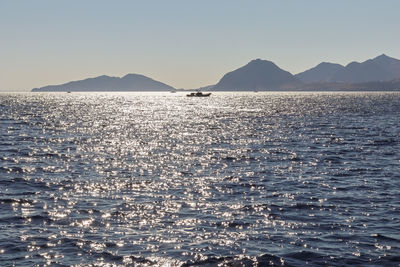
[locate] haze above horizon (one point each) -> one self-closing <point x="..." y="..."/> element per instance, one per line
<point x="185" y="44"/>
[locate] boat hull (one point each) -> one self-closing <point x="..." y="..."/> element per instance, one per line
<point x="198" y="95"/>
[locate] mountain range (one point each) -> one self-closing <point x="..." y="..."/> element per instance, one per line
<point x="381" y="68"/>
<point x="380" y="73"/>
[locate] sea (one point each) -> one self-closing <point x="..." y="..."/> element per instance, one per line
<point x="234" y="179"/>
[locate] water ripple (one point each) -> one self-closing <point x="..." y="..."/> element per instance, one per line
<point x="235" y="179"/>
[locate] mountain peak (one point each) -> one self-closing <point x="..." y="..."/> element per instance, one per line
<point x="389" y="64"/>
<point x="132" y="75"/>
<point x="383" y="56"/>
<point x="323" y="72"/>
<point x="258" y="74"/>
<point x="259" y="61"/>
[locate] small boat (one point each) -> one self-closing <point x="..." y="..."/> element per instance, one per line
<point x="198" y="94"/>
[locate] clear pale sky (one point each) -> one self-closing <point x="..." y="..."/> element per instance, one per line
<point x="185" y="43"/>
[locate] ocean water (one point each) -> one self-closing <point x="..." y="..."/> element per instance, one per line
<point x="235" y="179"/>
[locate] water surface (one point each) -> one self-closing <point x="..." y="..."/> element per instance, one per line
<point x="235" y="178"/>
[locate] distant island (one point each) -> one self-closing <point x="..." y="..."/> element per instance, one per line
<point x="380" y="73"/>
<point x="130" y="82"/>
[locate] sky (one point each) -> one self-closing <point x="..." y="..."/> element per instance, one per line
<point x="185" y="43"/>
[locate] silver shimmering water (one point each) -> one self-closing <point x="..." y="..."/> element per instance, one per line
<point x="236" y="178"/>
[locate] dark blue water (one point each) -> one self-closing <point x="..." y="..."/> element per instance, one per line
<point x="233" y="179"/>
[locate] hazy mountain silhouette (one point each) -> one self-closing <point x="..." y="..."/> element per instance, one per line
<point x="130" y="82"/>
<point x="366" y="71"/>
<point x="257" y="75"/>
<point x="381" y="68"/>
<point x="323" y="72"/>
<point x="380" y="73"/>
<point x="389" y="64"/>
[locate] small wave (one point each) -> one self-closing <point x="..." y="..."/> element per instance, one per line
<point x="232" y="224"/>
<point x="33" y="219"/>
<point x="16" y="201"/>
<point x="302" y="257"/>
<point x="384" y="142"/>
<point x="246" y="261"/>
<point x="301" y="205"/>
<point x="382" y="237"/>
<point x="388" y="260"/>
